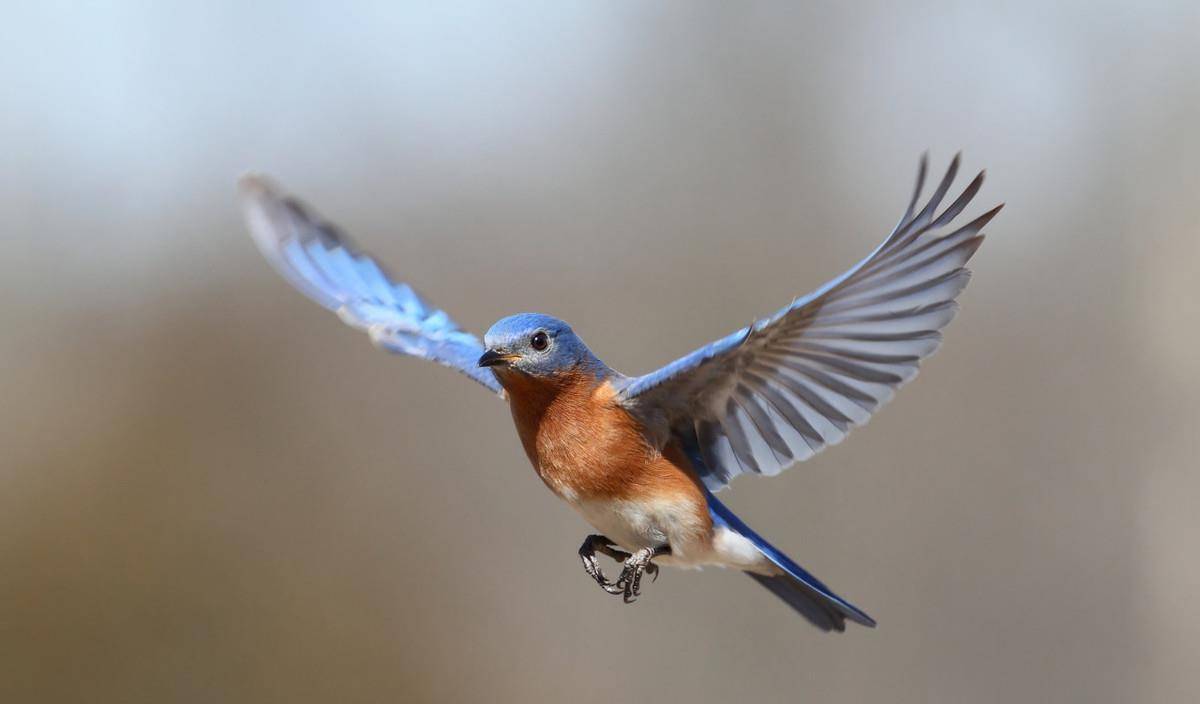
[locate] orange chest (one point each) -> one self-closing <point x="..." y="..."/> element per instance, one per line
<point x="586" y="447"/>
<point x="581" y="443"/>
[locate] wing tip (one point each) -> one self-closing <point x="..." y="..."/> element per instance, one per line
<point x="977" y="182"/>
<point x="254" y="184"/>
<point x="982" y="221"/>
<point x="258" y="200"/>
<point x="922" y="170"/>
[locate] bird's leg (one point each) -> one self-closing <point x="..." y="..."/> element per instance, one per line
<point x="639" y="563"/>
<point x="587" y="554"/>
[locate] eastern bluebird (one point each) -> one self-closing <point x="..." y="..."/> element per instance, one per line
<point x="640" y="457"/>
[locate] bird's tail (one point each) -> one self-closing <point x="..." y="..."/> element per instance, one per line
<point x="799" y="589"/>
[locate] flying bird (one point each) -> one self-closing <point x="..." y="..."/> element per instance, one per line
<point x="640" y="457"/>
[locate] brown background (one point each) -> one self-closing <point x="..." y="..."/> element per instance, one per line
<point x="211" y="491"/>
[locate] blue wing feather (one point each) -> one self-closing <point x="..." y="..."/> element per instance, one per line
<point x="796" y="382"/>
<point x="322" y="264"/>
<point x="632" y="387"/>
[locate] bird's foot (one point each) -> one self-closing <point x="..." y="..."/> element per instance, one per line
<point x="587" y="554"/>
<point x="637" y="565"/>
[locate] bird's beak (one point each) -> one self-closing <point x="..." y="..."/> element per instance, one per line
<point x="491" y="358"/>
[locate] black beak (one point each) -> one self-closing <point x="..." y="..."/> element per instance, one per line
<point x="491" y="358"/>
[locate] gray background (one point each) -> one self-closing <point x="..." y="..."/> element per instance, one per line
<point x="211" y="491"/>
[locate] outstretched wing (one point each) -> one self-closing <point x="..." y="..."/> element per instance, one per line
<point x="321" y="262"/>
<point x="781" y="390"/>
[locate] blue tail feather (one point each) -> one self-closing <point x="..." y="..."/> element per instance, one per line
<point x="799" y="589"/>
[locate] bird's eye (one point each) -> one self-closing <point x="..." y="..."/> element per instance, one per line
<point x="539" y="341"/>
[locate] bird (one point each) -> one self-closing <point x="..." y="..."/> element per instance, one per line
<point x="641" y="458"/>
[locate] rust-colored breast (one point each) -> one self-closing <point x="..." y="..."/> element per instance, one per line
<point x="586" y="447"/>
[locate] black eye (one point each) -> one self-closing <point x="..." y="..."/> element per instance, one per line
<point x="539" y="341"/>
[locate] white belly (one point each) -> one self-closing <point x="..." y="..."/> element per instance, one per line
<point x="634" y="524"/>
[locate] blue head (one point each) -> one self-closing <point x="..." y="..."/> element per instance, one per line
<point x="538" y="345"/>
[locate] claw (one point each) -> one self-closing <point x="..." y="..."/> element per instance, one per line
<point x="629" y="583"/>
<point x="587" y="555"/>
<point x="631" y="575"/>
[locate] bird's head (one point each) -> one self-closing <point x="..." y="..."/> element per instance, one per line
<point x="537" y="345"/>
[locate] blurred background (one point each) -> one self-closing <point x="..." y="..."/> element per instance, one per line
<point x="210" y="490"/>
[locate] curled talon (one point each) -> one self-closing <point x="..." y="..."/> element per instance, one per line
<point x="637" y="565"/>
<point x="629" y="583"/>
<point x="587" y="554"/>
<point x="594" y="571"/>
<point x="633" y="586"/>
<point x="634" y="589"/>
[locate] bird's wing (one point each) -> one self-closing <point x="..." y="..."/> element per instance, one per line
<point x="784" y="388"/>
<point x="316" y="258"/>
